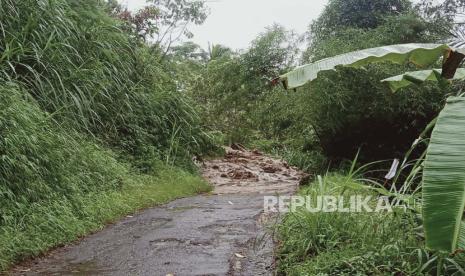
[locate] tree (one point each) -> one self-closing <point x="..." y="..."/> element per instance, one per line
<point x="162" y="23"/>
<point x="339" y="108"/>
<point x="174" y="19"/>
<point x="216" y="51"/>
<point x="346" y="26"/>
<point x="363" y="14"/>
<point x="143" y="23"/>
<point x="189" y="51"/>
<point x="271" y="52"/>
<point x="186" y="63"/>
<point x="450" y="11"/>
<point x="232" y="84"/>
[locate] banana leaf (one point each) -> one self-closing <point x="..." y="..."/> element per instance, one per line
<point x="444" y="180"/>
<point x="418" y="77"/>
<point x="422" y="55"/>
<point x="462" y="236"/>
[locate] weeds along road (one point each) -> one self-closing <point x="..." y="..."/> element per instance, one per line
<point x="225" y="233"/>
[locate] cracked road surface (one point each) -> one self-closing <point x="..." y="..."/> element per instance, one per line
<point x="225" y="233"/>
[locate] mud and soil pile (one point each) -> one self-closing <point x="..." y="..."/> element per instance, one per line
<point x="242" y="171"/>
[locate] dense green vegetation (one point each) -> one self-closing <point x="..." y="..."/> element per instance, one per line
<point x="91" y="123"/>
<point x="328" y="121"/>
<point x="339" y="113"/>
<point x="102" y="111"/>
<point x="355" y="243"/>
<point x="94" y="78"/>
<point x="442" y="200"/>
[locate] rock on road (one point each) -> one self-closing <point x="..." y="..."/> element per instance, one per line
<point x="225" y="233"/>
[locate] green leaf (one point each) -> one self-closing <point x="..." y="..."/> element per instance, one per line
<point x="462" y="236"/>
<point x="422" y="55"/>
<point x="418" y="77"/>
<point x="444" y="179"/>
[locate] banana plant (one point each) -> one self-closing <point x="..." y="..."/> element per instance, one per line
<point x="418" y="77"/>
<point x="443" y="191"/>
<point x="444" y="179"/>
<point x="422" y="55"/>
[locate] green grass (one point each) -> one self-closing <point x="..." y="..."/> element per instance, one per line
<point x="78" y="65"/>
<point x="57" y="184"/>
<point x="44" y="225"/>
<point x="351" y="244"/>
<point x="91" y="126"/>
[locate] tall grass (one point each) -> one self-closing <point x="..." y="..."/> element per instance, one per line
<point x="355" y="243"/>
<point x="56" y="184"/>
<point x="87" y="119"/>
<point x="80" y="67"/>
<point x="41" y="161"/>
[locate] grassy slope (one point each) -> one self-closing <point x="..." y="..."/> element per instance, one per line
<point x="53" y="223"/>
<point x="348" y="244"/>
<point x="57" y="185"/>
<point x="86" y="115"/>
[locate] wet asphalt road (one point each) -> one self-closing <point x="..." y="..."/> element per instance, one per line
<point x="223" y="234"/>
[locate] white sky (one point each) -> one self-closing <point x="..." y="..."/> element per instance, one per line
<point x="235" y="23"/>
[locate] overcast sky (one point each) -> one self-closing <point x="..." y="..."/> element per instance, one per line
<point x="235" y="23"/>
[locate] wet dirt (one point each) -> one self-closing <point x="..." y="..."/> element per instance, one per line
<point x="224" y="233"/>
<point x="251" y="172"/>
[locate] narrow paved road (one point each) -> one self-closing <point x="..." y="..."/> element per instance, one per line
<point x="221" y="234"/>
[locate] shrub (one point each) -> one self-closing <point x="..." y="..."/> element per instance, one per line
<point x="364" y="113"/>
